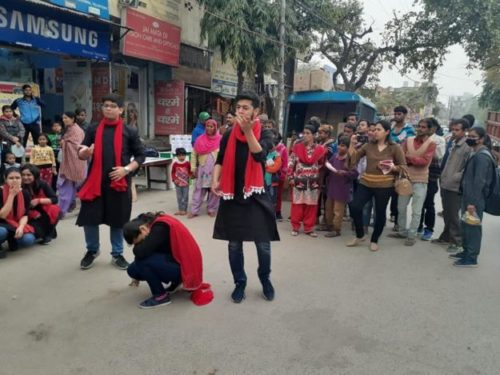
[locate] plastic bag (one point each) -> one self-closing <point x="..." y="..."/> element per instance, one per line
<point x="471" y="219"/>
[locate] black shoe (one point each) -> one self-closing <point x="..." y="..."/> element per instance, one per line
<point x="45" y="240"/>
<point x="119" y="262"/>
<point x="3" y="254"/>
<point x="267" y="290"/>
<point x="465" y="262"/>
<point x="278" y="216"/>
<point x="238" y="294"/>
<point x="174" y="287"/>
<point x="88" y="260"/>
<point x="459" y="255"/>
<point x="54" y="234"/>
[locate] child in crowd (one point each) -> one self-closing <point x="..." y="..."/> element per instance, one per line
<point x="55" y="142"/>
<point x="42" y="155"/>
<point x="181" y="171"/>
<point x="339" y="186"/>
<point x="273" y="168"/>
<point x="10" y="161"/>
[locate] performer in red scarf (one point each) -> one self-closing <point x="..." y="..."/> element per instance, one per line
<point x="106" y="196"/>
<point x="14" y="204"/>
<point x="44" y="211"/>
<point x="246" y="212"/>
<point x="165" y="252"/>
<point x="304" y="165"/>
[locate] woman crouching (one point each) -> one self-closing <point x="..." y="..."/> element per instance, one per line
<point x="165" y="253"/>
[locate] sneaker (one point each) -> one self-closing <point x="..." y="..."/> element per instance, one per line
<point x="174" y="287"/>
<point x="88" y="260"/>
<point x="238" y="294"/>
<point x="279" y="217"/>
<point x="410" y="241"/>
<point x="427" y="235"/>
<point x="459" y="255"/>
<point x="465" y="262"/>
<point x="420" y="232"/>
<point x="267" y="290"/>
<point x="119" y="262"/>
<point x="153" y="302"/>
<point x="454" y="248"/>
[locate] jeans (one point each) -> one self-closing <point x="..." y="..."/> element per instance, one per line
<point x="34" y="129"/>
<point x="237" y="261"/>
<point x="92" y="239"/>
<point x="429" y="210"/>
<point x="417" y="202"/>
<point x="182" y="197"/>
<point x="472" y="234"/>
<point x="26" y="240"/>
<point x="364" y="195"/>
<point x="155" y="270"/>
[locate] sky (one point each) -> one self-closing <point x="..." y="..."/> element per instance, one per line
<point x="452" y="79"/>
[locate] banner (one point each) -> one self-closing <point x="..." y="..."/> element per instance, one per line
<point x="224" y="77"/>
<point x="100" y="88"/>
<point x="169" y="107"/>
<point x="151" y="39"/>
<point x="97" y="8"/>
<point x="77" y="86"/>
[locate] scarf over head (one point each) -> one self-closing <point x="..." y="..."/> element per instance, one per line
<point x="187" y="253"/>
<point x="205" y="143"/>
<point x="16" y="214"/>
<point x="91" y="189"/>
<point x="300" y="150"/>
<point x="254" y="174"/>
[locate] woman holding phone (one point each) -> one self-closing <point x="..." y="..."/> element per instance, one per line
<point x="384" y="160"/>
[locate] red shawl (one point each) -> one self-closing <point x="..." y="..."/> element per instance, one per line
<point x="91" y="189"/>
<point x="205" y="143"/>
<point x="254" y="175"/>
<point x="72" y="168"/>
<point x="186" y="252"/>
<point x="300" y="150"/>
<point x="13" y="218"/>
<point x="52" y="210"/>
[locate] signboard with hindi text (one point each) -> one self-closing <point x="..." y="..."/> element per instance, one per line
<point x="169" y="107"/>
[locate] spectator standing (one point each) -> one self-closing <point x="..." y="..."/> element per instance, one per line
<point x="181" y="172"/>
<point x="11" y="130"/>
<point x="30" y="112"/>
<point x="81" y="119"/>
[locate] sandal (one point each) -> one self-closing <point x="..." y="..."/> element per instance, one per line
<point x="355" y="242"/>
<point x="312" y="234"/>
<point x="294" y="233"/>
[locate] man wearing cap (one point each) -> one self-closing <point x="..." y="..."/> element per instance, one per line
<point x="199" y="129"/>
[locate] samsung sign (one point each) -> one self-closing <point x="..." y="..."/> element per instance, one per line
<point x="43" y="28"/>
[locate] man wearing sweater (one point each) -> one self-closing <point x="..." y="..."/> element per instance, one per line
<point x="419" y="152"/>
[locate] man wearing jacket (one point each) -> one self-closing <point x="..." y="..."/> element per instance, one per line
<point x="29" y="109"/>
<point x="450" y="186"/>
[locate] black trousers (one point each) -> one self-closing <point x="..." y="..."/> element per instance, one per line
<point x="428" y="216"/>
<point x="362" y="196"/>
<point x="394" y="206"/>
<point x="34" y="129"/>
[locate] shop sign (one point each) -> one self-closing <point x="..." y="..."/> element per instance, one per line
<point x="44" y="28"/>
<point x="100" y="88"/>
<point x="224" y="77"/>
<point x="169" y="107"/>
<point x="97" y="8"/>
<point x="151" y="39"/>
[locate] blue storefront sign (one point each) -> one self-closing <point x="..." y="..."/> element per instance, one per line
<point x="95" y="7"/>
<point x="44" y="28"/>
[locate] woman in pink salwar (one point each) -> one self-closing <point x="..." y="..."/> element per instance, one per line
<point x="203" y="159"/>
<point x="72" y="170"/>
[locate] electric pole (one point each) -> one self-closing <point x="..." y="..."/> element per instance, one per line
<point x="281" y="79"/>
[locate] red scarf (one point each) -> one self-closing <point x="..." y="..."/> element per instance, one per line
<point x="254" y="175"/>
<point x="13" y="218"/>
<point x="91" y="189"/>
<point x="52" y="210"/>
<point x="187" y="253"/>
<point x="300" y="150"/>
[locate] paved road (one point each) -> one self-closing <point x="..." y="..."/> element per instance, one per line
<point x="338" y="311"/>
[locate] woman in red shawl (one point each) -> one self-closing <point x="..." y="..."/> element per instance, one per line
<point x="304" y="165"/>
<point x="165" y="253"/>
<point x="14" y="205"/>
<point x="72" y="170"/>
<point x="203" y="158"/>
<point x="44" y="211"/>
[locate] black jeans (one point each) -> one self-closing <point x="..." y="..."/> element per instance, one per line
<point x="237" y="261"/>
<point x="155" y="270"/>
<point x="34" y="129"/>
<point x="362" y="196"/>
<point x="428" y="216"/>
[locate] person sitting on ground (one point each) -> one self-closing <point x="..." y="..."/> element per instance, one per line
<point x="10" y="161"/>
<point x="14" y="206"/>
<point x="165" y="253"/>
<point x="43" y="209"/>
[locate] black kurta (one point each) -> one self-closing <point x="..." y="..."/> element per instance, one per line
<point x="251" y="219"/>
<point x="112" y="208"/>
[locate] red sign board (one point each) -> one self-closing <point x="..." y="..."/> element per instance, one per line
<point x="151" y="39"/>
<point x="100" y="87"/>
<point x="169" y="107"/>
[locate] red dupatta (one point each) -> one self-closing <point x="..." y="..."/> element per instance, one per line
<point x="13" y="218"/>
